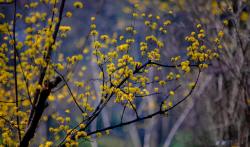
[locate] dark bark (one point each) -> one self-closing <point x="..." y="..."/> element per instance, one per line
<point x="38" y="111"/>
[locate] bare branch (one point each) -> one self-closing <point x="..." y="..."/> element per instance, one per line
<point x="148" y="116"/>
<point x="133" y="108"/>
<point x="15" y="71"/>
<point x="40" y="107"/>
<point x="72" y="95"/>
<point x="123" y="111"/>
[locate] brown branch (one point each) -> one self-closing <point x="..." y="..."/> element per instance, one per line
<point x="123" y="111"/>
<point x="133" y="107"/>
<point x="167" y="96"/>
<point x="102" y="104"/>
<point x="171" y="66"/>
<point x="25" y="80"/>
<point x="42" y="95"/>
<point x="155" y="93"/>
<point x="99" y="108"/>
<point x="40" y="107"/>
<point x="47" y="59"/>
<point x="148" y="116"/>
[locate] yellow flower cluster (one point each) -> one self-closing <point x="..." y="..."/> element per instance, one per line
<point x="153" y="23"/>
<point x="35" y="17"/>
<point x="131" y="30"/>
<point x="74" y="59"/>
<point x="198" y="50"/>
<point x="153" y="39"/>
<point x="143" y="48"/>
<point x="121" y="96"/>
<point x="185" y="66"/>
<point x="123" y="47"/>
<point x="154" y="55"/>
<point x="65" y="28"/>
<point x="111" y="68"/>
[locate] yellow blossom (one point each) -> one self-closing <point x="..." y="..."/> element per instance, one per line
<point x="78" y="4"/>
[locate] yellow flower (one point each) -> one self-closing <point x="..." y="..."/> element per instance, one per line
<point x="225" y="22"/>
<point x="135" y="15"/>
<point x="60" y="66"/>
<point x="97" y="45"/>
<point x="18" y="15"/>
<point x="93" y="26"/>
<point x="185" y="66"/>
<point x="123" y="47"/>
<point x="166" y="23"/>
<point x="191" y="85"/>
<point x="104" y="37"/>
<point x="154" y="54"/>
<point x="178" y="76"/>
<point x="171" y="93"/>
<point x="170" y="104"/>
<point x="92" y="18"/>
<point x="67" y="119"/>
<point x="244" y="16"/>
<point x="68" y="14"/>
<point x="147" y="22"/>
<point x="221" y="34"/>
<point x="198" y="25"/>
<point x="107" y="132"/>
<point x="78" y="4"/>
<point x="85" y="51"/>
<point x="51" y="98"/>
<point x="99" y="134"/>
<point x="33" y="4"/>
<point x="82" y="126"/>
<point x="2" y="16"/>
<point x="162" y="83"/>
<point x="94" y="33"/>
<point x="48" y="144"/>
<point x="203" y="66"/>
<point x="65" y="28"/>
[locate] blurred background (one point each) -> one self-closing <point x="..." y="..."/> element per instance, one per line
<point x="218" y="112"/>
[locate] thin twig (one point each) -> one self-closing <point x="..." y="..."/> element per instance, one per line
<point x="148" y="116"/>
<point x="133" y="108"/>
<point x="15" y="71"/>
<point x="9" y="102"/>
<point x="72" y="95"/>
<point x="103" y="104"/>
<point x="20" y="63"/>
<point x="9" y="122"/>
<point x="123" y="111"/>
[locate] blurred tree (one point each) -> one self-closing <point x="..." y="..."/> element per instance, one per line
<point x="227" y="95"/>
